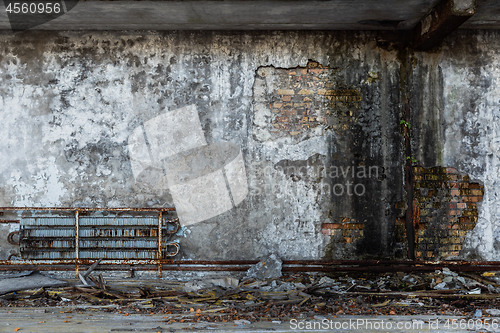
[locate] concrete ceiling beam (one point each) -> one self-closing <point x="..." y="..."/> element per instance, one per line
<point x="442" y="20"/>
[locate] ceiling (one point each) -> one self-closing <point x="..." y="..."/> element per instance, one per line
<point x="255" y="15"/>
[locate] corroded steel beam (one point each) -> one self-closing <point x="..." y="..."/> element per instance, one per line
<point x="442" y="20"/>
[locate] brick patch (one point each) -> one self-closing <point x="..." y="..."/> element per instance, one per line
<point x="348" y="230"/>
<point x="302" y="100"/>
<point x="447" y="204"/>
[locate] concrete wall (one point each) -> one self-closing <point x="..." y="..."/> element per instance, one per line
<point x="87" y="122"/>
<point x="268" y="142"/>
<point x="456" y="112"/>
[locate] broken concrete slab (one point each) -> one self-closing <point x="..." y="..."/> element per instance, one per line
<point x="493" y="312"/>
<point x="267" y="268"/>
<point x="224" y="282"/>
<point x="31" y="281"/>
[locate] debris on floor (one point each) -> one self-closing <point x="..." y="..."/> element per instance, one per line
<point x="300" y="295"/>
<point x="29" y="281"/>
<point x="268" y="268"/>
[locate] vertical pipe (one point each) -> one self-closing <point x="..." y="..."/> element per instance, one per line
<point x="159" y="242"/>
<point x="410" y="230"/>
<point x="77" y="240"/>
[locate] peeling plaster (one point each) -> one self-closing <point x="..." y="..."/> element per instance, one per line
<point x="70" y="100"/>
<point x="470" y="122"/>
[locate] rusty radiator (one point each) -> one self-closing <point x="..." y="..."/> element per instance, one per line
<point x="98" y="237"/>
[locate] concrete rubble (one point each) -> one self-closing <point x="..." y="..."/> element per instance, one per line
<point x="269" y="267"/>
<point x="29" y="281"/>
<point x="276" y="299"/>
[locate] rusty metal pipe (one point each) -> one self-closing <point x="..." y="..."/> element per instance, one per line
<point x="89" y="209"/>
<point x="13" y="255"/>
<point x="77" y="242"/>
<point x="304" y="266"/>
<point x="364" y="263"/>
<point x="10" y="238"/>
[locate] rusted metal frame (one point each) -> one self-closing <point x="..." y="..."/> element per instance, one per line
<point x="326" y="263"/>
<point x="171" y="254"/>
<point x="13" y="255"/>
<point x="159" y="243"/>
<point x="386" y="269"/>
<point x="88" y="209"/>
<point x="77" y="211"/>
<point x="443" y="263"/>
<point x="77" y="240"/>
<point x="10" y="221"/>
<point x="177" y="226"/>
<point x="120" y="267"/>
<point x="9" y="238"/>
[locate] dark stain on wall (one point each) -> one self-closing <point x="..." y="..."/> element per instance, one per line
<point x="445" y="210"/>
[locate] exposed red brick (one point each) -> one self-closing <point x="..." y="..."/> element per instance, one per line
<point x="464" y="192"/>
<point x="417" y="170"/>
<point x="285" y="92"/>
<point x="357" y="226"/>
<point x="448" y="210"/>
<point x="477" y="192"/>
<point x="331" y="226"/>
<point x="282" y="119"/>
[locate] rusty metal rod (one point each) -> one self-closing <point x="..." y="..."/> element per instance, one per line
<point x="362" y="263"/>
<point x="386" y="269"/>
<point x="188" y="265"/>
<point x="123" y="268"/>
<point x="89" y="209"/>
<point x="77" y="242"/>
<point x="10" y="238"/>
<point x="245" y="268"/>
<point x="160" y="257"/>
<point x="387" y="262"/>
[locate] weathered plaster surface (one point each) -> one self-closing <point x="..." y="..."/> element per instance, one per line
<point x="456" y="107"/>
<point x="70" y="101"/>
